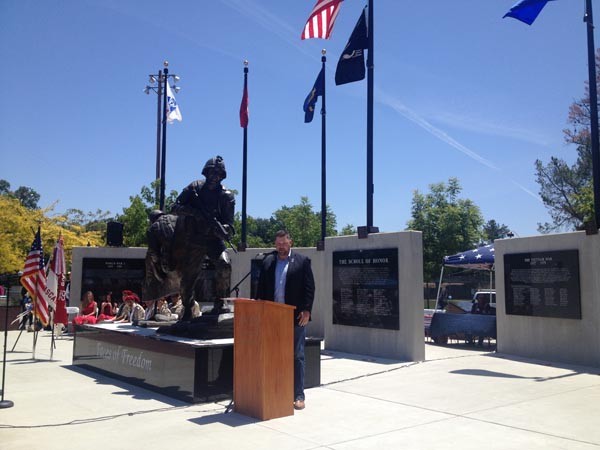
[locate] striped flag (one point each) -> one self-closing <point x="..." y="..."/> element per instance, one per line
<point x="321" y="19"/>
<point x="34" y="279"/>
<point x="56" y="282"/>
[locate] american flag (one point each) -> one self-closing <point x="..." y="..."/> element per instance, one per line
<point x="34" y="279"/>
<point x="321" y="19"/>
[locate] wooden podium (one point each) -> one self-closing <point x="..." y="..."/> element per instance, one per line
<point x="263" y="359"/>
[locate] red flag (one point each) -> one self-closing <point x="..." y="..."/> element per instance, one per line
<point x="34" y="279"/>
<point x="321" y="19"/>
<point x="56" y="282"/>
<point x="244" y="109"/>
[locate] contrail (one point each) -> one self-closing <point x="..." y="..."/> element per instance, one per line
<point x="402" y="109"/>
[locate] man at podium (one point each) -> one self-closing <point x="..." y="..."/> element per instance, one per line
<point x="287" y="277"/>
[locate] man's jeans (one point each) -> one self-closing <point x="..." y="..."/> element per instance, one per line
<point x="299" y="337"/>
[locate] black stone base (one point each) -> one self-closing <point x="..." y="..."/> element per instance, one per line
<point x="186" y="369"/>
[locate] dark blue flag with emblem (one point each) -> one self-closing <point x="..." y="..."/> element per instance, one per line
<point x="526" y="10"/>
<point x="314" y="94"/>
<point x="351" y="66"/>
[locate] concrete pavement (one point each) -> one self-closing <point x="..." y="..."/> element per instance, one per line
<point x="459" y="398"/>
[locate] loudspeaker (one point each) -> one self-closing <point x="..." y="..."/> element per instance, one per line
<point x="114" y="234"/>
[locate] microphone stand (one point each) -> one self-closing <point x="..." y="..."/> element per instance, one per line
<point x="236" y="288"/>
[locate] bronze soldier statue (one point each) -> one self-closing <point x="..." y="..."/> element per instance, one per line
<point x="204" y="210"/>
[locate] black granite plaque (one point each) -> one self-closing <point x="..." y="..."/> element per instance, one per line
<point x="543" y="284"/>
<point x="365" y="288"/>
<point x="103" y="275"/>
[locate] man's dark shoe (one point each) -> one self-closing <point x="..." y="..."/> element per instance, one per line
<point x="299" y="404"/>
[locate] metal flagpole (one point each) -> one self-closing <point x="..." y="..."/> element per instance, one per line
<point x="321" y="243"/>
<point x="243" y="243"/>
<point x="35" y="298"/>
<point x="370" y="84"/>
<point x="164" y="138"/>
<point x="5" y="403"/>
<point x="158" y="131"/>
<point x="589" y="20"/>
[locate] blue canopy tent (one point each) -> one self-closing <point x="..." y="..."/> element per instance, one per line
<point x="467" y="325"/>
<point x="480" y="258"/>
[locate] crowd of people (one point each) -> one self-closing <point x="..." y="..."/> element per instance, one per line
<point x="130" y="309"/>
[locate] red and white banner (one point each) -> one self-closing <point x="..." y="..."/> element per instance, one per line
<point x="55" y="285"/>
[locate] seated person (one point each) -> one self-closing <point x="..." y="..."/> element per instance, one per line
<point x="135" y="310"/>
<point x="163" y="313"/>
<point x="89" y="310"/>
<point x="89" y="307"/>
<point x="107" y="309"/>
<point x="176" y="306"/>
<point x="481" y="305"/>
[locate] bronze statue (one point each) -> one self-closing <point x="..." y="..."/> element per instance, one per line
<point x="204" y="211"/>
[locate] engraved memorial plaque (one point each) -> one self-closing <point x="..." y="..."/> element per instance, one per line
<point x="103" y="275"/>
<point x="365" y="288"/>
<point x="544" y="284"/>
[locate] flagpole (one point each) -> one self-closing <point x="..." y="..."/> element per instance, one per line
<point x="589" y="20"/>
<point x="35" y="299"/>
<point x="243" y="244"/>
<point x="370" y="84"/>
<point x="321" y="243"/>
<point x="158" y="131"/>
<point x="163" y="157"/>
<point x="5" y="403"/>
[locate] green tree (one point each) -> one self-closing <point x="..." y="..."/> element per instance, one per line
<point x="28" y="197"/>
<point x="303" y="224"/>
<point x="135" y="216"/>
<point x="567" y="190"/>
<point x="348" y="230"/>
<point x="4" y="187"/>
<point x="492" y="231"/>
<point x="135" y="222"/>
<point x="449" y="224"/>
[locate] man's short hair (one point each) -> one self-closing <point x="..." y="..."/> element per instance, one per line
<point x="282" y="233"/>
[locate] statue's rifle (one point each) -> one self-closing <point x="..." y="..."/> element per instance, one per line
<point x="216" y="225"/>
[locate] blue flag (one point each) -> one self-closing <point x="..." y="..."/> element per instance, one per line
<point x="311" y="100"/>
<point x="526" y="10"/>
<point x="351" y="65"/>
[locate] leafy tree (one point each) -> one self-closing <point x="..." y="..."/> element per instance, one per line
<point x="448" y="224"/>
<point x="19" y="224"/>
<point x="135" y="222"/>
<point x="492" y="231"/>
<point x="567" y="190"/>
<point x="4" y="187"/>
<point x="28" y="197"/>
<point x="303" y="224"/>
<point x="135" y="216"/>
<point x="348" y="230"/>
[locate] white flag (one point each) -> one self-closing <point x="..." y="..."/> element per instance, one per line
<point x="173" y="112"/>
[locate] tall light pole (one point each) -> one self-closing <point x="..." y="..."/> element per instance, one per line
<point x="158" y="85"/>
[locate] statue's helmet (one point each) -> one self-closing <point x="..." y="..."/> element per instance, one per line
<point x="154" y="215"/>
<point x="215" y="164"/>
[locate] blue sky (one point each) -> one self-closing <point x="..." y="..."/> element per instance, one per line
<point x="459" y="92"/>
